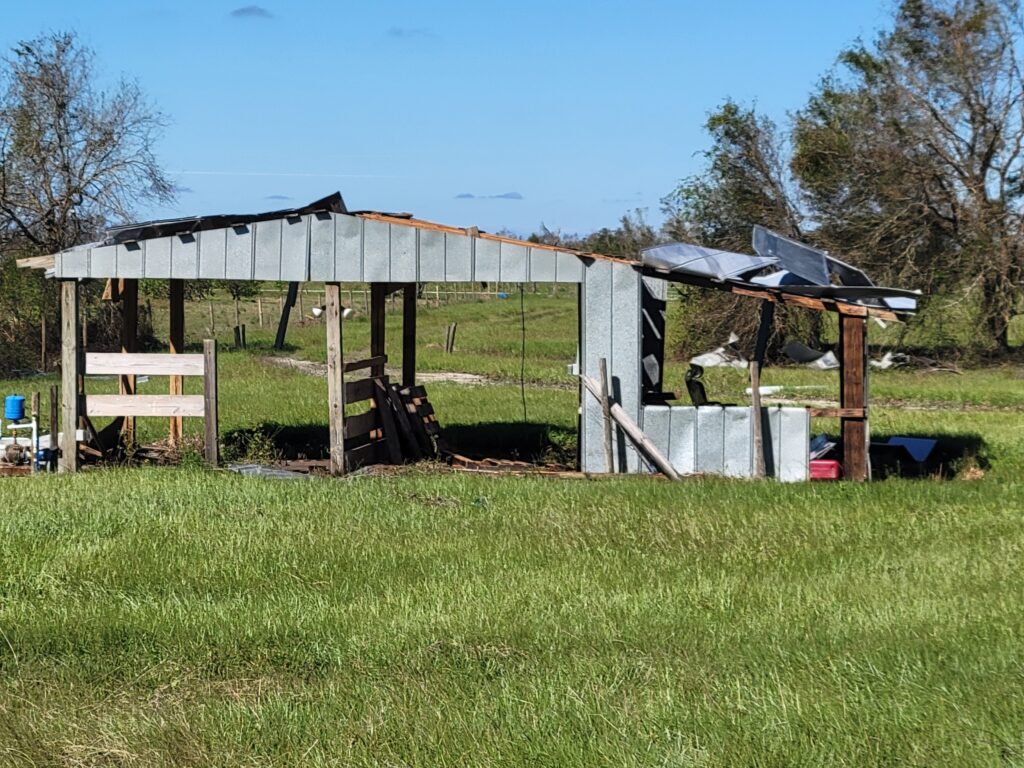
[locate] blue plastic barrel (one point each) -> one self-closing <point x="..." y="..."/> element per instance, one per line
<point x="14" y="407"/>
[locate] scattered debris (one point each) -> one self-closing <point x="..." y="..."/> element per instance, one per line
<point x="726" y="356"/>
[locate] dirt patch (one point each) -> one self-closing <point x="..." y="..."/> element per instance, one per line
<point x="320" y="369"/>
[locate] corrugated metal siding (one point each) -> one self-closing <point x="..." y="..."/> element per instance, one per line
<point x="610" y="329"/>
<point x="718" y="440"/>
<point x="325" y="247"/>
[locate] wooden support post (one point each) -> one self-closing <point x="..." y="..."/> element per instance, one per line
<point x="129" y="293"/>
<point x="756" y="426"/>
<point x="176" y="297"/>
<point x="409" y="335"/>
<point x="378" y="295"/>
<point x="286" y="308"/>
<point x="211" y="413"/>
<point x="853" y="387"/>
<point x="606" y="410"/>
<point x="54" y="426"/>
<point x="70" y="364"/>
<point x="335" y="378"/>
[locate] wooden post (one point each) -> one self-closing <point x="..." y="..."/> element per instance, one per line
<point x="259" y="310"/>
<point x="54" y="428"/>
<point x="335" y="378"/>
<point x="213" y="324"/>
<point x="286" y="309"/>
<point x="853" y="374"/>
<point x="176" y="296"/>
<point x="129" y="293"/>
<point x="377" y="325"/>
<point x="756" y="426"/>
<point x="211" y="416"/>
<point x="70" y="363"/>
<point x="42" y="343"/>
<point x="409" y="335"/>
<point x="606" y="409"/>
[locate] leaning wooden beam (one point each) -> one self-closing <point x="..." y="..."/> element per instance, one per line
<point x="176" y="296"/>
<point x="633" y="432"/>
<point x="606" y="415"/>
<point x="335" y="378"/>
<point x="286" y="310"/>
<point x="70" y="363"/>
<point x="853" y="375"/>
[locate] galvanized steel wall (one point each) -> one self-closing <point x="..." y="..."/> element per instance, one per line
<point x="325" y="247"/>
<point x="718" y="440"/>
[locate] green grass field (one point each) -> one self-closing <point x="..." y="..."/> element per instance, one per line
<point x="180" y="616"/>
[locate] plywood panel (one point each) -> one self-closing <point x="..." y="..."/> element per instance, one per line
<point x="514" y="263"/>
<point x="212" y="254"/>
<point x="239" y="253"/>
<point x="486" y="260"/>
<point x="458" y="257"/>
<point x="348" y="249"/>
<point x="267" y="261"/>
<point x="321" y="248"/>
<point x="295" y="249"/>
<point x="143" y="364"/>
<point x="542" y="265"/>
<point x="403" y="254"/>
<point x="144" y="405"/>
<point x="184" y="257"/>
<point x="431" y="267"/>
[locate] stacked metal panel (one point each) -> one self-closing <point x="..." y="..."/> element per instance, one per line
<point x="718" y="440"/>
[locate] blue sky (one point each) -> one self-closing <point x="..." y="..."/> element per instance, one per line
<point x="499" y="115"/>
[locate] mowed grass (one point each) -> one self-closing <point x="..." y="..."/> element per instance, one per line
<point x="177" y="616"/>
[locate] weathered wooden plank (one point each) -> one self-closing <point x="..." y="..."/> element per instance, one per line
<point x="211" y="413"/>
<point x="387" y="420"/>
<point x="362" y="365"/>
<point x="361" y="424"/>
<point x="174" y="406"/>
<point x="142" y="364"/>
<point x="359" y="390"/>
<point x="363" y="456"/>
<point x="853" y="380"/>
<point x="335" y="378"/>
<point x="70" y="360"/>
<point x="176" y="338"/>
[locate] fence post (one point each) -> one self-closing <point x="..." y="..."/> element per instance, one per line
<point x="212" y="435"/>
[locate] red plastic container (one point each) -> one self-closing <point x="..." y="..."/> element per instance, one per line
<point x="826" y="469"/>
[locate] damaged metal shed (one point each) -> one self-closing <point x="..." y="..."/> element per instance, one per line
<point x="621" y="309"/>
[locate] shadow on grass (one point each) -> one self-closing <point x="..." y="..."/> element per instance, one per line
<point x="532" y="442"/>
<point x="522" y="441"/>
<point x="953" y="455"/>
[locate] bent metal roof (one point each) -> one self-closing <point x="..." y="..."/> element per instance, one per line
<point x="324" y="242"/>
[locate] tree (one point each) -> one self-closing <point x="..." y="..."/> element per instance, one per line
<point x="745" y="183"/>
<point x="73" y="159"/>
<point x="913" y="161"/>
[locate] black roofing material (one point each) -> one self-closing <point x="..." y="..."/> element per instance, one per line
<point x="186" y="226"/>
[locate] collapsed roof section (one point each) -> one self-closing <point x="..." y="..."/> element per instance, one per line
<point x="781" y="267"/>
